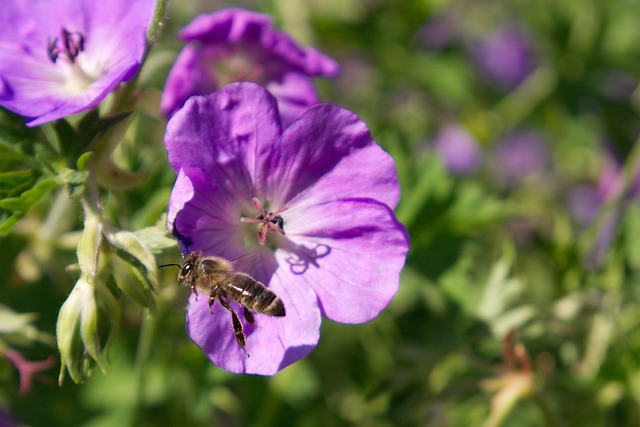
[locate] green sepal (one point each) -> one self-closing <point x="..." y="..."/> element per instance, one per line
<point x="89" y="246"/>
<point x="132" y="282"/>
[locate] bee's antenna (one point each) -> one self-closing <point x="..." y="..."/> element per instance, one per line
<point x="169" y="265"/>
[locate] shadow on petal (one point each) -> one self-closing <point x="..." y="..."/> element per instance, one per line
<point x="302" y="256"/>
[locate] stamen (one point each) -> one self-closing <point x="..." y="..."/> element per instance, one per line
<point x="268" y="221"/>
<point x="72" y="44"/>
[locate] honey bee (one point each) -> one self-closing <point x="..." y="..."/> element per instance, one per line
<point x="215" y="276"/>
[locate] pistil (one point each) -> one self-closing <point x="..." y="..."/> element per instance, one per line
<point x="267" y="221"/>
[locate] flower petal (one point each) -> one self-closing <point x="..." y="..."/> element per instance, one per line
<point x="274" y="48"/>
<point x="295" y="93"/>
<point x="189" y="76"/>
<point x="328" y="153"/>
<point x="350" y="251"/>
<point x="272" y="342"/>
<point x="203" y="216"/>
<point x="226" y="134"/>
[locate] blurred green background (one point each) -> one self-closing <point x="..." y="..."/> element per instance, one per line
<point x="514" y="126"/>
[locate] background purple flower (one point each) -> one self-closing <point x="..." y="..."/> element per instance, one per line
<point x="60" y="58"/>
<point x="518" y="155"/>
<point x="458" y="150"/>
<point x="334" y="187"/>
<point x="506" y="58"/>
<point x="238" y="45"/>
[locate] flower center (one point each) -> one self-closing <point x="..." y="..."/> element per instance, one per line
<point x="70" y="45"/>
<point x="64" y="51"/>
<point x="238" y="67"/>
<point x="266" y="221"/>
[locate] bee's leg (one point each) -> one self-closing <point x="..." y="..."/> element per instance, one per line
<point x="212" y="299"/>
<point x="193" y="289"/>
<point x="248" y="316"/>
<point x="238" y="329"/>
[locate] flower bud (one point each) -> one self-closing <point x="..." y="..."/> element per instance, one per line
<point x="86" y="323"/>
<point x="132" y="282"/>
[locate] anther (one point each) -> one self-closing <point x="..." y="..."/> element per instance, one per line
<point x="72" y="45"/>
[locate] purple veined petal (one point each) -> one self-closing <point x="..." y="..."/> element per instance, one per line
<point x="225" y="134"/>
<point x="204" y="216"/>
<point x="328" y="153"/>
<point x="272" y="342"/>
<point x="295" y="93"/>
<point x="350" y="251"/>
<point x="253" y="29"/>
<point x="226" y="26"/>
<point x="189" y="76"/>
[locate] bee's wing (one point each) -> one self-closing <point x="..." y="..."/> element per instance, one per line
<point x="246" y="258"/>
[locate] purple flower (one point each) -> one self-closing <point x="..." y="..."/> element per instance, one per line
<point x="506" y="58"/>
<point x="438" y="32"/>
<point x="458" y="149"/>
<point x="61" y="58"/>
<point x="324" y="183"/>
<point x="238" y="45"/>
<point x="519" y="155"/>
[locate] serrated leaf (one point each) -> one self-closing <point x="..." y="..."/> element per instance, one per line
<point x="131" y="281"/>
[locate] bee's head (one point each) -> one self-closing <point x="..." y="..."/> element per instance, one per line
<point x="187" y="273"/>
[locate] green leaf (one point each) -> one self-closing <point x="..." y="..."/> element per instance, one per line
<point x="15" y="182"/>
<point x="11" y="152"/>
<point x="29" y="197"/>
<point x="67" y="136"/>
<point x="14" y="208"/>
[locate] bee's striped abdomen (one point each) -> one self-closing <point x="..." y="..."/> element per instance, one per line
<point x="255" y="296"/>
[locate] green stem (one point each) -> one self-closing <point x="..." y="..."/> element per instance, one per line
<point x="157" y="24"/>
<point x="145" y="342"/>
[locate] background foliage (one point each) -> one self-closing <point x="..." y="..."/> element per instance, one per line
<point x="491" y="252"/>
